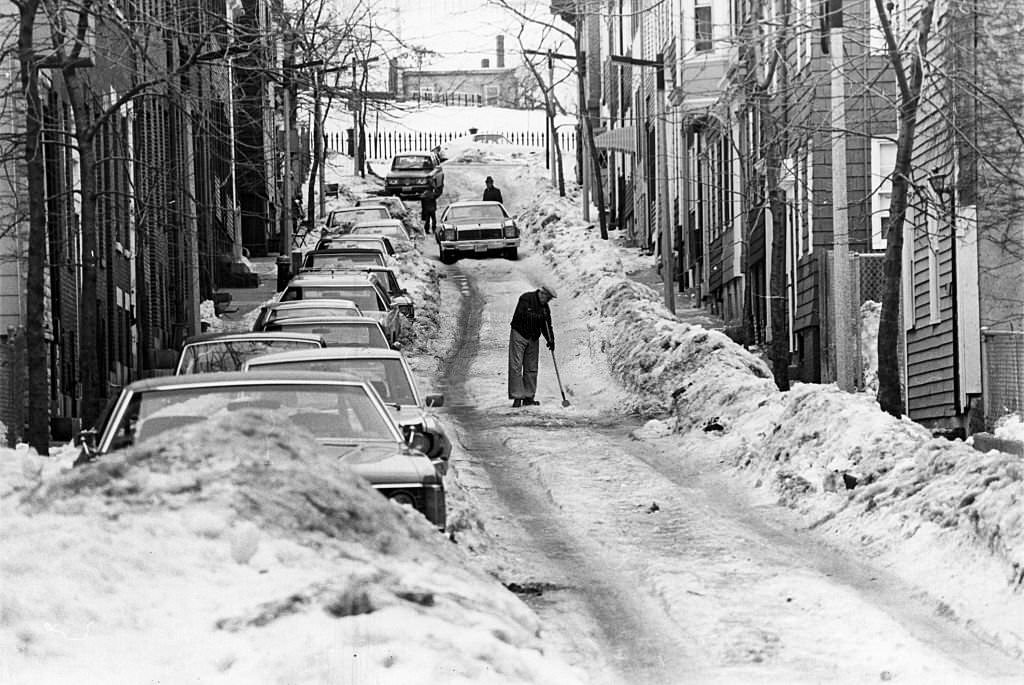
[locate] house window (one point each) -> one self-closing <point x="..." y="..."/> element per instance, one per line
<point x="883" y="161"/>
<point x="932" y="226"/>
<point x="491" y="94"/>
<point x="702" y="26"/>
<point x="805" y="23"/>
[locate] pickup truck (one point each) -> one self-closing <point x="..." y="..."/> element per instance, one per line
<point x="413" y="172"/>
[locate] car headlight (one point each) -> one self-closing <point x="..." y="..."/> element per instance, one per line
<point x="403" y="498"/>
<point x="449" y="234"/>
<point x="511" y="230"/>
<point x="420" y="441"/>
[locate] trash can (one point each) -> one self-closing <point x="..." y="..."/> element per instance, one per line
<point x="284" y="271"/>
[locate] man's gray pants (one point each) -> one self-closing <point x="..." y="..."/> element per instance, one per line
<point x="523" y="354"/>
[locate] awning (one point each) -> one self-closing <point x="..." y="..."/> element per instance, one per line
<point x="622" y="139"/>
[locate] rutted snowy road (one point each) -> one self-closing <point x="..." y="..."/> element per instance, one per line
<point x="645" y="563"/>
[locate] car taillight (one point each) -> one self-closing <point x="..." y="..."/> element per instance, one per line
<point x="449" y="234"/>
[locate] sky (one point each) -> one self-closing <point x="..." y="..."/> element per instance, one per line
<point x="197" y="559"/>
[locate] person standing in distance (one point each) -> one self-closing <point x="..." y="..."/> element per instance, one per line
<point x="531" y="320"/>
<point x="428" y="210"/>
<point x="492" y="192"/>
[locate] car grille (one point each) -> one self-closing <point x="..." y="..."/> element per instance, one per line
<point x="479" y="233"/>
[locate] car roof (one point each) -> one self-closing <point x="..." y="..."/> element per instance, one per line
<point x="343" y="278"/>
<point x="331" y="353"/>
<point x="324" y="302"/>
<point x="474" y="203"/>
<point x="416" y="153"/>
<point x="249" y="335"/>
<point x="233" y="377"/>
<point x="332" y="320"/>
<point x="376" y="222"/>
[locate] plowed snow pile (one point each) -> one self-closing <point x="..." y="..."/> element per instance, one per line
<point x="946" y="516"/>
<point x="237" y="554"/>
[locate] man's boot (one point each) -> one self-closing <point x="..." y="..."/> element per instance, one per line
<point x="517" y="402"/>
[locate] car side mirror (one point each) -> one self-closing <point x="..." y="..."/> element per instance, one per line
<point x="435" y="400"/>
<point x="86" y="439"/>
<point x="396" y="345"/>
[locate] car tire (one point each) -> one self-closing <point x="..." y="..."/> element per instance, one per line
<point x="448" y="257"/>
<point x="511" y="253"/>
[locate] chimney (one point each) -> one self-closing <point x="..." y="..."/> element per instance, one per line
<point x="501" y="52"/>
<point x="485" y="64"/>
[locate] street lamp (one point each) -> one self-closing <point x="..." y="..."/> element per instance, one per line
<point x="941" y="187"/>
<point x="667" y="265"/>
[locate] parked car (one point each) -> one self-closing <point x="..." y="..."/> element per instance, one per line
<point x="394" y="204"/>
<point x="341" y="220"/>
<point x="347" y="418"/>
<point x="389" y="374"/>
<point x="413" y="172"/>
<point x="392" y="229"/>
<point x="337" y="331"/>
<point x="468" y="144"/>
<point x="355" y="242"/>
<point x="275" y="311"/>
<point x="476" y="228"/>
<point x="373" y="301"/>
<point x="342" y="258"/>
<point x="210" y="352"/>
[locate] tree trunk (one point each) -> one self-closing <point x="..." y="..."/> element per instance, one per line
<point x="598" y="184"/>
<point x="318" y="151"/>
<point x="38" y="433"/>
<point x="88" y="323"/>
<point x="890" y="394"/>
<point x="778" y="349"/>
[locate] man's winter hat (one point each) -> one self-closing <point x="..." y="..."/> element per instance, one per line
<point x="488" y="180"/>
<point x="549" y="290"/>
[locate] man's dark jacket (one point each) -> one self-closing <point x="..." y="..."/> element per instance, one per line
<point x="532" y="319"/>
<point x="492" y="194"/>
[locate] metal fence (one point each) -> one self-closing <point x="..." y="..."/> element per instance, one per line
<point x="13" y="388"/>
<point x="384" y="144"/>
<point x="1002" y="364"/>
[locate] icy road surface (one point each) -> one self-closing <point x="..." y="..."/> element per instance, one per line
<point x="644" y="562"/>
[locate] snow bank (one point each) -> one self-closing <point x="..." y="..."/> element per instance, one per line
<point x="865" y="476"/>
<point x="238" y="554"/>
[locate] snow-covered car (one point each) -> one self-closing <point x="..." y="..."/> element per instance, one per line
<point x="411" y="173"/>
<point x="337" y="331"/>
<point x="346" y="417"/>
<point x="388" y="280"/>
<point x="325" y="260"/>
<point x="210" y="352"/>
<point x="394" y="204"/>
<point x="470" y="144"/>
<point x="276" y="311"/>
<point x="392" y="229"/>
<point x="341" y="220"/>
<point x="355" y="242"/>
<point x="476" y="227"/>
<point x="390" y="375"/>
<point x="372" y="300"/>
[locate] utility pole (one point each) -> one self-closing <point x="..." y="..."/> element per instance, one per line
<point x="843" y="296"/>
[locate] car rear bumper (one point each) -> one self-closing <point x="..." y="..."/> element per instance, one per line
<point x="479" y="245"/>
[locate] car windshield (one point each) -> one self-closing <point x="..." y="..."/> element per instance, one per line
<point x="411" y="163"/>
<point x="387" y="376"/>
<point x="346" y="243"/>
<point x="279" y="313"/>
<point x="220" y="355"/>
<point x="343" y="216"/>
<point x="339" y="334"/>
<point x="330" y="412"/>
<point x="390" y="231"/>
<point x="365" y="297"/>
<point x="324" y="260"/>
<point x="476" y="213"/>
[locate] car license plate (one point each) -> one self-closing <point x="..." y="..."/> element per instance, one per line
<point x="480" y="248"/>
<point x="406" y="189"/>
